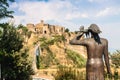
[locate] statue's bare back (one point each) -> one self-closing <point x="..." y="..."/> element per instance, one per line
<point x="95" y="65"/>
<point x="95" y="50"/>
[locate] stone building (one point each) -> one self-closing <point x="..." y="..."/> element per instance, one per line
<point x="31" y="27"/>
<point x="42" y="28"/>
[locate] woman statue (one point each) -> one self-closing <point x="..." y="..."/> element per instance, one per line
<point x="96" y="48"/>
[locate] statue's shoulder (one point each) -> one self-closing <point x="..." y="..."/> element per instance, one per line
<point x="104" y="40"/>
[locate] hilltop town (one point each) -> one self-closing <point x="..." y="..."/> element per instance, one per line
<point x="43" y="28"/>
<point x="51" y="44"/>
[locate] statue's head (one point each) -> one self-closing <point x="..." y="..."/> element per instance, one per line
<point x="94" y="28"/>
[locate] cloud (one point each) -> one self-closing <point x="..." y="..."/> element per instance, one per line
<point x="108" y="11"/>
<point x="61" y="10"/>
<point x="14" y="5"/>
<point x="53" y="10"/>
<point x="75" y="15"/>
<point x="97" y="1"/>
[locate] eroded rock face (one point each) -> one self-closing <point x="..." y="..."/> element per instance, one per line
<point x="58" y="50"/>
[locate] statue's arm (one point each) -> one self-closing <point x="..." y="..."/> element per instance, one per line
<point x="107" y="57"/>
<point x="76" y="40"/>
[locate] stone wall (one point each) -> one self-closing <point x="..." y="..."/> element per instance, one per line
<point x="42" y="28"/>
<point x="31" y="27"/>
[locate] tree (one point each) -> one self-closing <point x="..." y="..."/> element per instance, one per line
<point x="16" y="66"/>
<point x="1" y="31"/>
<point x="10" y="39"/>
<point x="23" y="28"/>
<point x="76" y="32"/>
<point x="66" y="30"/>
<point x="14" y="59"/>
<point x="4" y="12"/>
<point x="25" y="32"/>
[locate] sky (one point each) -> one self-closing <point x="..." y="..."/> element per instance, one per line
<point x="72" y="14"/>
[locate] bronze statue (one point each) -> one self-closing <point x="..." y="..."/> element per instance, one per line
<point x="96" y="48"/>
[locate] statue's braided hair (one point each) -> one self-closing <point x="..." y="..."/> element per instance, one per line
<point x="94" y="29"/>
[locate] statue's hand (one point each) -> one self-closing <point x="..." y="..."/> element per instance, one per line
<point x="81" y="28"/>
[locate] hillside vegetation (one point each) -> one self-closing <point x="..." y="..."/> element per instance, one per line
<point x="54" y="52"/>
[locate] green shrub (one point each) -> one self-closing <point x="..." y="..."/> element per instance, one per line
<point x="67" y="30"/>
<point x="69" y="73"/>
<point x="76" y="58"/>
<point x="115" y="57"/>
<point x="48" y="59"/>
